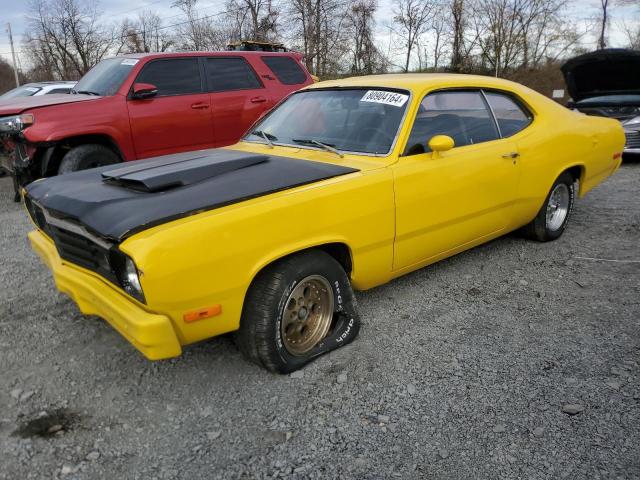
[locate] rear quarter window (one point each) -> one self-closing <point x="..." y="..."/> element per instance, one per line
<point x="286" y="69"/>
<point x="509" y="114"/>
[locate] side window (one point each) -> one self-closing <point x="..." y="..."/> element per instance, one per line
<point x="176" y="76"/>
<point x="58" y="90"/>
<point x="230" y="73"/>
<point x="462" y="115"/>
<point x="286" y="69"/>
<point x="510" y="116"/>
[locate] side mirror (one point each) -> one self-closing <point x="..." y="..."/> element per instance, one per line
<point x="440" y="143"/>
<point x="144" y="90"/>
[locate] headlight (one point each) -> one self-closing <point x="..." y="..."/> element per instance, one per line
<point x="16" y="123"/>
<point x="635" y="121"/>
<point x="128" y="275"/>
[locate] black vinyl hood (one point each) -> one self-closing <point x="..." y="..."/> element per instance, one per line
<point x="612" y="71"/>
<point x="117" y="201"/>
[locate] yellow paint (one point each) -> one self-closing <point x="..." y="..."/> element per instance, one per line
<point x="395" y="215"/>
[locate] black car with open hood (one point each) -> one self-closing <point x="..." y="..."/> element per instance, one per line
<point x="606" y="83"/>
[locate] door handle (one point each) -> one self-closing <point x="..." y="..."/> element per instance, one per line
<point x="199" y="106"/>
<point x="258" y="100"/>
<point x="511" y="155"/>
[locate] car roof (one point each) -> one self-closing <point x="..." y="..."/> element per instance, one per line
<point x="48" y="83"/>
<point x="234" y="53"/>
<point x="418" y="82"/>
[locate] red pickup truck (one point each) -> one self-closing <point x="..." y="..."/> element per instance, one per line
<point x="144" y="105"/>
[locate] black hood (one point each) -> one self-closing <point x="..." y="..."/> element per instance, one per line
<point x="611" y="71"/>
<point x="116" y="201"/>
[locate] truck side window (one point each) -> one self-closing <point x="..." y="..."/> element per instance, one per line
<point x="510" y="116"/>
<point x="230" y="73"/>
<point x="462" y="115"/>
<point x="286" y="69"/>
<point x="175" y="76"/>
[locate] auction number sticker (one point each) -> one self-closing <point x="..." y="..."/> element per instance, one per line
<point x="129" y="61"/>
<point x="385" y="97"/>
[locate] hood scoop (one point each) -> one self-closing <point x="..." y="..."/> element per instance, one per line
<point x="166" y="175"/>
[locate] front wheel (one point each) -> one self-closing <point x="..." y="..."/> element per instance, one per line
<point x="87" y="156"/>
<point x="297" y="309"/>
<point x="552" y="219"/>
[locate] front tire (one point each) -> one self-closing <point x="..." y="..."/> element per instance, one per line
<point x="552" y="219"/>
<point x="297" y="309"/>
<point x="87" y="156"/>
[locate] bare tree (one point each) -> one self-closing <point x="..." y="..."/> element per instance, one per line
<point x="198" y="32"/>
<point x="413" y="19"/>
<point x="602" y="39"/>
<point x="366" y="58"/>
<point x="254" y="19"/>
<point x="66" y="37"/>
<point x="145" y="34"/>
<point x="319" y="30"/>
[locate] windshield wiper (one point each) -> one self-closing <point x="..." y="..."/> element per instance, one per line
<point x="267" y="137"/>
<point x="324" y="146"/>
<point x="86" y="92"/>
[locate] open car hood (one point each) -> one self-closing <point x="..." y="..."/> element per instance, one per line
<point x="116" y="201"/>
<point x="612" y="71"/>
<point x="13" y="106"/>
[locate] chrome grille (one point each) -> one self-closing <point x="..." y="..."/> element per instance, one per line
<point x="73" y="246"/>
<point x="633" y="139"/>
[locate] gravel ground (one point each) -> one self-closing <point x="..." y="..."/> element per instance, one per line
<point x="461" y="370"/>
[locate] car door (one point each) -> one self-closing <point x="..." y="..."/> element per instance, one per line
<point x="178" y="117"/>
<point x="460" y="196"/>
<point x="237" y="95"/>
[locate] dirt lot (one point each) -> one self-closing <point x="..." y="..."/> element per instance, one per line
<point x="461" y="370"/>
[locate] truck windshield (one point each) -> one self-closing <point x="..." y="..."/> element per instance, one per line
<point x="362" y="120"/>
<point x="106" y="77"/>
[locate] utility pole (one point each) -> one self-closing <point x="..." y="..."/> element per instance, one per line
<point x="13" y="55"/>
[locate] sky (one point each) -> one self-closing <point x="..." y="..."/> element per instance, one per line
<point x="15" y="12"/>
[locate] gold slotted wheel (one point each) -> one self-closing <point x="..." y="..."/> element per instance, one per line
<point x="307" y="315"/>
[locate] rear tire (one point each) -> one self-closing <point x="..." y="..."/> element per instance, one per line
<point x="87" y="156"/>
<point x="297" y="309"/>
<point x="552" y="219"/>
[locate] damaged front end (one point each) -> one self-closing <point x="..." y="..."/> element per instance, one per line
<point x="16" y="153"/>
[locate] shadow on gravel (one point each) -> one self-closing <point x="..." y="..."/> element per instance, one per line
<point x="49" y="425"/>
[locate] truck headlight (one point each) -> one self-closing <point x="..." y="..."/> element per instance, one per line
<point x="633" y="122"/>
<point x="16" y="123"/>
<point x="128" y="275"/>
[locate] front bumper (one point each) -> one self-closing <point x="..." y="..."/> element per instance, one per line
<point x="152" y="334"/>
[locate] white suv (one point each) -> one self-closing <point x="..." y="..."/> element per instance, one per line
<point x="38" y="88"/>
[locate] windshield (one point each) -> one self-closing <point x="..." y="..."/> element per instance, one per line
<point x="24" y="91"/>
<point x="347" y="120"/>
<point x="106" y="77"/>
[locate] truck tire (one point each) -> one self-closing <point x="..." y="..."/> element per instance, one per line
<point x="297" y="309"/>
<point x="87" y="156"/>
<point x="552" y="219"/>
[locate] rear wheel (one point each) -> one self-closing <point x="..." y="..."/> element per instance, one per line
<point x="297" y="309"/>
<point x="552" y="219"/>
<point x="87" y="156"/>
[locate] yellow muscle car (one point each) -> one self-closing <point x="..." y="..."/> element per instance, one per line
<point x="346" y="184"/>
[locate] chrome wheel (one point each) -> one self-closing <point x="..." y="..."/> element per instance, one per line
<point x="558" y="206"/>
<point x="307" y="315"/>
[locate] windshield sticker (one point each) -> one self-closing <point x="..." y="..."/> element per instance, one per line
<point x="387" y="98"/>
<point x="129" y="61"/>
<point x="31" y="89"/>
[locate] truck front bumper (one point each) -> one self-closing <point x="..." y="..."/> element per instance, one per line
<point x="151" y="333"/>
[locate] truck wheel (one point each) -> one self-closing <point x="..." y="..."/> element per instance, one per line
<point x="87" y="156"/>
<point x="554" y="215"/>
<point x="297" y="309"/>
